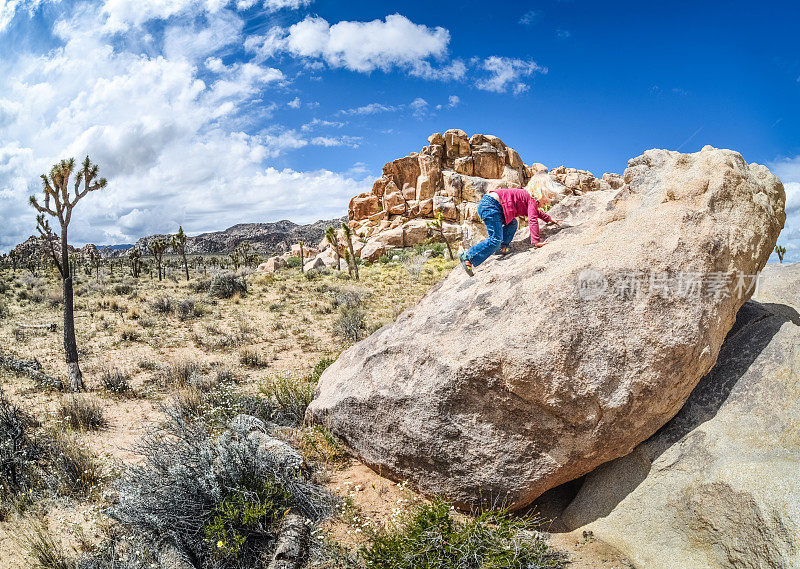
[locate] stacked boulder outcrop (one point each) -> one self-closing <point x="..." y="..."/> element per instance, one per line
<point x="449" y="176"/>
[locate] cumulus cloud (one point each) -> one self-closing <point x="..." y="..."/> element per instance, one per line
<point x="507" y="73"/>
<point x="393" y="43"/>
<point x="170" y="128"/>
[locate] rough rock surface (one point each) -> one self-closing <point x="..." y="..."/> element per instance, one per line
<point x="719" y="485"/>
<point x="531" y="374"/>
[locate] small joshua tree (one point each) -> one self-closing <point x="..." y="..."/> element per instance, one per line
<point x="157" y="248"/>
<point x="96" y="260"/>
<point x="348" y="235"/>
<point x="58" y="203"/>
<point x="330" y="236"/>
<point x="437" y="226"/>
<point x="302" y="256"/>
<point x="179" y="245"/>
<point x="781" y="251"/>
<point x="12" y="256"/>
<point x="135" y="261"/>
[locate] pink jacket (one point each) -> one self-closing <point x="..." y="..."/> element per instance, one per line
<point x="519" y="203"/>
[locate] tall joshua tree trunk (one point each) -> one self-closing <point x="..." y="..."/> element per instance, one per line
<point x="70" y="345"/>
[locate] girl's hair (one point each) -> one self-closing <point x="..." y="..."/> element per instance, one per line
<point x="543" y="188"/>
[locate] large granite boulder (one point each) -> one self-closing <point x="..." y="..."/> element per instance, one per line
<point x="719" y="485"/>
<point x="549" y="363"/>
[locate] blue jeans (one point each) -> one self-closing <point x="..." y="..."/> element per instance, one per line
<point x="500" y="233"/>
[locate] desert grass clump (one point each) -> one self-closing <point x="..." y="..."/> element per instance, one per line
<point x="117" y="382"/>
<point x="182" y="373"/>
<point x="5" y="312"/>
<point x="430" y="536"/>
<point x="44" y="549"/>
<point x="123" y="288"/>
<point x="216" y="498"/>
<point x="318" y="445"/>
<point x="225" y="285"/>
<point x="251" y="357"/>
<point x="162" y="305"/>
<point x="188" y="308"/>
<point x="83" y="413"/>
<point x="75" y="466"/>
<point x="351" y="322"/>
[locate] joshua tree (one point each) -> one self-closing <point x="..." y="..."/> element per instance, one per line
<point x="96" y="260"/>
<point x="348" y="235"/>
<point x="781" y="251"/>
<point x="58" y="203"/>
<point x="437" y="226"/>
<point x="135" y="260"/>
<point x="330" y="236"/>
<point x="157" y="248"/>
<point x="302" y="256"/>
<point x="12" y="255"/>
<point x="179" y="245"/>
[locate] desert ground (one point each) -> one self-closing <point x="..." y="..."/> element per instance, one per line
<point x="147" y="344"/>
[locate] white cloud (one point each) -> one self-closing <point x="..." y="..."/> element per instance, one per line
<point x="419" y="107"/>
<point x="530" y="17"/>
<point x="453" y="101"/>
<point x="507" y="73"/>
<point x="319" y="123"/>
<point x="393" y="43"/>
<point x="563" y="34"/>
<point x="351" y="141"/>
<point x="370" y="109"/>
<point x="9" y="9"/>
<point x="294" y="103"/>
<point x="788" y="170"/>
<point x="173" y="143"/>
<point x="273" y="5"/>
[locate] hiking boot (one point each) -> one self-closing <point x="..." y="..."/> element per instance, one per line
<point x="504" y="250"/>
<point x="467" y="264"/>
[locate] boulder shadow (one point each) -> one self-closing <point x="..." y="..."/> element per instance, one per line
<point x="756" y="325"/>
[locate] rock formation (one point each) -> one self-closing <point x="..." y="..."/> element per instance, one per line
<point x="717" y="486"/>
<point x="549" y="363"/>
<point x="449" y="176"/>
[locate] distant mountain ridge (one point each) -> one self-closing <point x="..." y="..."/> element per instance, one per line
<point x="265" y="238"/>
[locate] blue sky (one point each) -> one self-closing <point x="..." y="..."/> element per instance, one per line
<point x="214" y="112"/>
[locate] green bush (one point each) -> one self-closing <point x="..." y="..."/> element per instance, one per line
<point x="430" y="537"/>
<point x="320" y="367"/>
<point x="244" y="514"/>
<point x="291" y="395"/>
<point x="294" y="262"/>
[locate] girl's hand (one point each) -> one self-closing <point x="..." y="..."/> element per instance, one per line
<point x="556" y="221"/>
